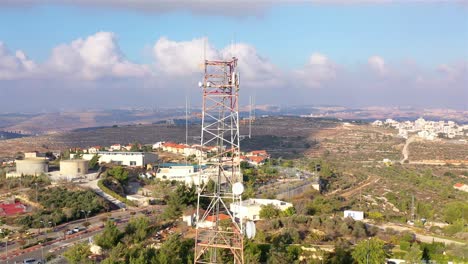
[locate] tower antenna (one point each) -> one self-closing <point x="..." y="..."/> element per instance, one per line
<point x="219" y="135"/>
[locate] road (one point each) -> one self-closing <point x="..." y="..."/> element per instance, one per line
<point x="426" y="238"/>
<point x="405" y="150"/>
<point x="60" y="245"/>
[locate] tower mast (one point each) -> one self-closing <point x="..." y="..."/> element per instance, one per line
<point x="218" y="232"/>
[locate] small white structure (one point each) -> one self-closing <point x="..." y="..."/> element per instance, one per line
<point x="158" y="145"/>
<point x="140" y="200"/>
<point x="250" y="208"/>
<point x="356" y="215"/>
<point x="133" y="159"/>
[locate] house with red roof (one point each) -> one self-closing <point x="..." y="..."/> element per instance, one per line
<point x="461" y="187"/>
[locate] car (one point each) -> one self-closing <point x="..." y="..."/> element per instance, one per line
<point x="78" y="229"/>
<point x="69" y="232"/>
<point x="31" y="261"/>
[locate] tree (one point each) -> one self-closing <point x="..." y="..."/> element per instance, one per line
<point x="369" y="251"/>
<point x="414" y="254"/>
<point x="94" y="162"/>
<point x="177" y="201"/>
<point x="119" y="173"/>
<point x="342" y="253"/>
<point x="109" y="237"/>
<point x="269" y="211"/>
<point x="455" y="211"/>
<point x="137" y="229"/>
<point x="252" y="252"/>
<point x="175" y="251"/>
<point x="78" y="253"/>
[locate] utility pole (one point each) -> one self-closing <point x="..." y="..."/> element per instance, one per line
<point x="367" y="255"/>
<point x="36" y="191"/>
<point x="6" y="248"/>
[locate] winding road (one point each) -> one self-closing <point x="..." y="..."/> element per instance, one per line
<point x="405" y="150"/>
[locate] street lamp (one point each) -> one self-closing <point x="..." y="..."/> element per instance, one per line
<point x="86" y="213"/>
<point x="6" y="248"/>
<point x="42" y="222"/>
<point x="42" y="251"/>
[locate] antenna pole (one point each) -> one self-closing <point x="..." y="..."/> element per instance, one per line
<point x="219" y="135"/>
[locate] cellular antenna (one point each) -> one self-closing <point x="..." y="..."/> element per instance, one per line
<point x="219" y="135"/>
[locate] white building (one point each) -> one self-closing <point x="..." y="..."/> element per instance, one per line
<point x="250" y="208"/>
<point x="115" y="147"/>
<point x="94" y="150"/>
<point x="377" y="123"/>
<point x="188" y="174"/>
<point x="140" y="200"/>
<point x="134" y="159"/>
<point x="158" y="145"/>
<point x="356" y="215"/>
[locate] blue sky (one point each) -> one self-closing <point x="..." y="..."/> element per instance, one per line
<point x="427" y="34"/>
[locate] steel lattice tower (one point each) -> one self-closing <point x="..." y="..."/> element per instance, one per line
<point x="220" y="136"/>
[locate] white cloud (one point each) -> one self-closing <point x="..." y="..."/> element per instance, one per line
<point x="377" y="64"/>
<point x="14" y="66"/>
<point x="92" y="58"/>
<point x="97" y="64"/>
<point x="317" y="71"/>
<point x="254" y="68"/>
<point x="184" y="57"/>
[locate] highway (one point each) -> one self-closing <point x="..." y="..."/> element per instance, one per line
<point x="61" y="244"/>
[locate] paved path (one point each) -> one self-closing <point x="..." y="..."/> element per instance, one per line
<point x="93" y="185"/>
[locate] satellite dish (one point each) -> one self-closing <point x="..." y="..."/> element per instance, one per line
<point x="200" y="84"/>
<point x="237" y="188"/>
<point x="250" y="229"/>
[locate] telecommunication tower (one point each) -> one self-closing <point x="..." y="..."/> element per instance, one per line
<point x="218" y="232"/>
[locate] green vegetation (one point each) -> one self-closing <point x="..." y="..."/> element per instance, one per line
<point x="78" y="254"/>
<point x="94" y="162"/>
<point x="370" y="251"/>
<point x="26" y="181"/>
<point x="178" y="200"/>
<point x="130" y="246"/>
<point x="61" y="205"/>
<point x="104" y="188"/>
<point x="118" y="173"/>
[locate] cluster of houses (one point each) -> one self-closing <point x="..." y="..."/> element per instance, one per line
<point x="254" y="158"/>
<point x="111" y="148"/>
<point x="429" y="130"/>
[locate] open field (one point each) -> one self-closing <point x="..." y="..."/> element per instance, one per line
<point x="282" y="136"/>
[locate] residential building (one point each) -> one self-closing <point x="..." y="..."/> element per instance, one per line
<point x="250" y="209"/>
<point x="133" y="159"/>
<point x="115" y="147"/>
<point x="461" y="187"/>
<point x="94" y="150"/>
